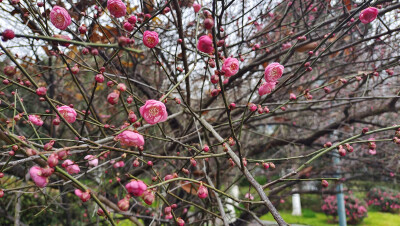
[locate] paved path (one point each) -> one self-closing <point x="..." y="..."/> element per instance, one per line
<point x="271" y="223"/>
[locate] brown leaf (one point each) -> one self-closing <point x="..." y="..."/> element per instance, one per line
<point x="198" y="173"/>
<point x="348" y="51"/>
<point x="347" y="3"/>
<point x="333" y="55"/>
<point x="148" y="6"/>
<point x="281" y="119"/>
<point x="307" y="47"/>
<point x="189" y="187"/>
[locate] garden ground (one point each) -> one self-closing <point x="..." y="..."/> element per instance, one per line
<point x="320" y="219"/>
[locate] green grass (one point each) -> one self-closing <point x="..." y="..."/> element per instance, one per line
<point x="381" y="219"/>
<point x="320" y="219"/>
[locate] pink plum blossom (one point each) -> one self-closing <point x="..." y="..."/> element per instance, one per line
<point x="249" y="196"/>
<point x="230" y="66"/>
<point x="52" y="160"/>
<point x="266" y="88"/>
<point x="286" y="45"/>
<point x="71" y="167"/>
<point x="148" y="197"/>
<point x="150" y="39"/>
<point x="168" y="216"/>
<point x="116" y="7"/>
<point x="273" y="72"/>
<point x="168" y="177"/>
<point x="136" y="187"/>
<point x="85" y="196"/>
<point x="368" y="15"/>
<point x="36" y="120"/>
<point x="180" y="221"/>
<point x="132" y="19"/>
<point x="113" y="97"/>
<point x="130" y="138"/>
<point x="205" y="44"/>
<point x="202" y="192"/>
<point x="60" y="18"/>
<point x="92" y="160"/>
<point x="8" y="34"/>
<point x="119" y="164"/>
<point x="153" y="112"/>
<point x="78" y="192"/>
<point x="196" y="7"/>
<point x="123" y="204"/>
<point x="167" y="212"/>
<point x="36" y="175"/>
<point x="68" y="113"/>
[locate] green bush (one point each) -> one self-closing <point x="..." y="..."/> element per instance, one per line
<point x="384" y="199"/>
<point x="307" y="213"/>
<point x="356" y="210"/>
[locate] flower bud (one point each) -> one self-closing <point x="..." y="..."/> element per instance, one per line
<point x="123" y="204"/>
<point x="202" y="192"/>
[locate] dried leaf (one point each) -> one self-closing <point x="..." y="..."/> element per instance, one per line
<point x="307" y="47"/>
<point x="157" y="21"/>
<point x="347" y="3"/>
<point x="281" y="119"/>
<point x="189" y="187"/>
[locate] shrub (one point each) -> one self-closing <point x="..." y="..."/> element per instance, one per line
<point x="307" y="213"/>
<point x="385" y="199"/>
<point x="356" y="210"/>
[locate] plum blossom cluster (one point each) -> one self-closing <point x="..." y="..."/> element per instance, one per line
<point x="136" y="188"/>
<point x="93" y="161"/>
<point x="385" y="199"/>
<point x="40" y="175"/>
<point x="356" y="210"/>
<point x="35" y="120"/>
<point x="71" y="167"/>
<point x="83" y="195"/>
<point x="271" y="75"/>
<point x="371" y="146"/>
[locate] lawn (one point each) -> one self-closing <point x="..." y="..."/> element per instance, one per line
<point x="320" y="219"/>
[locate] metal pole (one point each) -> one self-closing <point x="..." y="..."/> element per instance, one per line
<point x="340" y="197"/>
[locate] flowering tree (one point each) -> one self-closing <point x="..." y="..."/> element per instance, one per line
<point x="384" y="199"/>
<point x="152" y="110"/>
<point x="356" y="210"/>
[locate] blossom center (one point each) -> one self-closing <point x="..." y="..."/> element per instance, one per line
<point x="150" y="40"/>
<point x="154" y="111"/>
<point x="60" y="18"/>
<point x="274" y="72"/>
